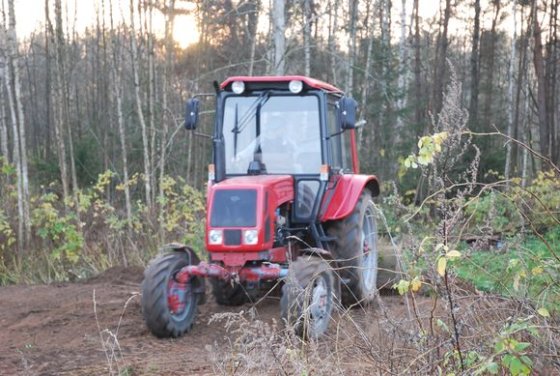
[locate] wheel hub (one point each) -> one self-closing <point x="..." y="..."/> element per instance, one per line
<point x="176" y="297"/>
<point x="369" y="260"/>
<point x="319" y="306"/>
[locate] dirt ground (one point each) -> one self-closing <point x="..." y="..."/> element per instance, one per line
<point x="60" y="329"/>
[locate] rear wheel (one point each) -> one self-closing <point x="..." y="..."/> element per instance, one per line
<point x="169" y="307"/>
<point x="355" y="250"/>
<point x="308" y="295"/>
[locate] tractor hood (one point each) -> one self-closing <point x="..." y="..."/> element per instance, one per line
<point x="242" y="210"/>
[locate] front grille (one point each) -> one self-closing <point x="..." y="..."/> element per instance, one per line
<point x="232" y="237"/>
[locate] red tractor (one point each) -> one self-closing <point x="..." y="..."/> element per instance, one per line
<point x="285" y="202"/>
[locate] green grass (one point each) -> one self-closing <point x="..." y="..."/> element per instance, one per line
<point x="526" y="269"/>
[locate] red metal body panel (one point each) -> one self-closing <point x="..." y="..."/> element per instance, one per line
<point x="316" y="84"/>
<point x="278" y="188"/>
<point x="347" y="191"/>
<point x="265" y="272"/>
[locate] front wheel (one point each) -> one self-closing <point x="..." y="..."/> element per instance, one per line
<point x="308" y="297"/>
<point x="169" y="307"/>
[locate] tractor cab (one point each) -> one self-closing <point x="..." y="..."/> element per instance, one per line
<point x="280" y="125"/>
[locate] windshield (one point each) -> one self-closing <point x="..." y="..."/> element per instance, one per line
<point x="283" y="131"/>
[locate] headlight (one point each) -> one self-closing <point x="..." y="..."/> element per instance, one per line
<point x="238" y="87"/>
<point x="295" y="86"/>
<point x="215" y="236"/>
<point x="250" y="237"/>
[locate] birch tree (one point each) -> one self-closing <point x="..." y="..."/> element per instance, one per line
<point x="279" y="30"/>
<point x="116" y="88"/>
<point x="307" y="36"/>
<point x="169" y="18"/>
<point x="139" y="111"/>
<point x="403" y="71"/>
<point x="18" y="118"/>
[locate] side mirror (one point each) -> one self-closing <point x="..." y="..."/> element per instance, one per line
<point x="347" y="113"/>
<point x="191" y="113"/>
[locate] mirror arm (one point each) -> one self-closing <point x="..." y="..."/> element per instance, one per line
<point x="334" y="134"/>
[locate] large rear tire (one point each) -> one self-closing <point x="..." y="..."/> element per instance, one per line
<point x="355" y="251"/>
<point x="308" y="297"/>
<point x="169" y="307"/>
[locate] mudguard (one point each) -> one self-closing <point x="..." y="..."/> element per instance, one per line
<point x="343" y="194"/>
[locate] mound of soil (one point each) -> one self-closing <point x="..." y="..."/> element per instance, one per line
<point x="119" y="275"/>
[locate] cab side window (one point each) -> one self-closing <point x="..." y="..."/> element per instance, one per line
<point x="340" y="145"/>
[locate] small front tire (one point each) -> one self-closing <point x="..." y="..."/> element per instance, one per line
<point x="169" y="307"/>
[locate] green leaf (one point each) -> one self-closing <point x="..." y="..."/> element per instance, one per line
<point x="499" y="347"/>
<point x="492" y="367"/>
<point x="402" y="286"/>
<point x="520" y="346"/>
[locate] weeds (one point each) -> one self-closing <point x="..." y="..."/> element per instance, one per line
<point x="75" y="241"/>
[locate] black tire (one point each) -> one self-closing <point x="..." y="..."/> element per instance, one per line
<point x="227" y="294"/>
<point x="159" y="285"/>
<point x="355" y="251"/>
<point x="308" y="297"/>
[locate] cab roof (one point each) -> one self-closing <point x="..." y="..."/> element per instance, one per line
<point x="263" y="80"/>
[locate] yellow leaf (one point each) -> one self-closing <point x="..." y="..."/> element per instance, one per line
<point x="543" y="312"/>
<point x="516" y="280"/>
<point x="453" y="254"/>
<point x="415" y="284"/>
<point x="382" y="152"/>
<point x="537" y="270"/>
<point x="441" y="265"/>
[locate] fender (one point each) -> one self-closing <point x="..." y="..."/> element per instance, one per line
<point x="341" y="198"/>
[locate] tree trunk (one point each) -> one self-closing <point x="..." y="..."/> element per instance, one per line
<point x="538" y="62"/>
<point x="13" y="71"/>
<point x="333" y="27"/>
<point x="487" y="110"/>
<point x="253" y="20"/>
<point x="17" y="162"/>
<point x="403" y="76"/>
<point x="3" y="127"/>
<point x="475" y="64"/>
<point x="116" y="88"/>
<point x="418" y="113"/>
<point x="441" y="60"/>
<point x="353" y="7"/>
<point x="511" y="102"/>
<point x="169" y="18"/>
<point x="139" y="112"/>
<point x="279" y="37"/>
<point x="307" y="35"/>
<point x="551" y="80"/>
<point x="367" y="75"/>
<point x="151" y="83"/>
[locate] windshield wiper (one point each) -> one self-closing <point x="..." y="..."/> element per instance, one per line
<point x="239" y="125"/>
